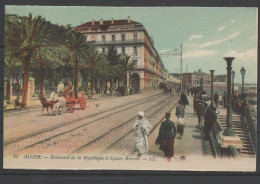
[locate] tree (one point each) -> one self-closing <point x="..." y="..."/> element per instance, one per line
<point x="95" y="61"/>
<point x="23" y="35"/>
<point x="114" y="59"/>
<point x="75" y="42"/>
<point x="46" y="58"/>
<point x="127" y="67"/>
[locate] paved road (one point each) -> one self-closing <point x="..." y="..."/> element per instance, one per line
<point x="99" y="129"/>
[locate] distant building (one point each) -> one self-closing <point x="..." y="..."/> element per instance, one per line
<point x="130" y="38"/>
<point x="199" y="77"/>
<point x="221" y="78"/>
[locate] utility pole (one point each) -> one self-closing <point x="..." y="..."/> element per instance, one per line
<point x="181" y="67"/>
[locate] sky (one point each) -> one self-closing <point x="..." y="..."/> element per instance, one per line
<point x="207" y="34"/>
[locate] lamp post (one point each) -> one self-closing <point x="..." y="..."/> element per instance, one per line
<point x="229" y="131"/>
<point x="211" y="96"/>
<point x="243" y="72"/>
<point x="233" y="76"/>
<point x="201" y="84"/>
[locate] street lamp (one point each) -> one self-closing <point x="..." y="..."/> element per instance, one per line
<point x="243" y="72"/>
<point x="211" y="96"/>
<point x="233" y="76"/>
<point x="229" y="131"/>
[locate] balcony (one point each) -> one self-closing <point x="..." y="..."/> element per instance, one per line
<point x="116" y="42"/>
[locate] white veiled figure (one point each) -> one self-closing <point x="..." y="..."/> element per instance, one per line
<point x="142" y="130"/>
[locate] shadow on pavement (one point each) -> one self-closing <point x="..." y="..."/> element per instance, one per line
<point x="197" y="136"/>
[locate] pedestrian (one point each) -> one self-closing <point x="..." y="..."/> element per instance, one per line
<point x="216" y="98"/>
<point x="180" y="126"/>
<point x="224" y="100"/>
<point x="200" y="111"/>
<point x="142" y="130"/>
<point x="184" y="100"/>
<point x="180" y="110"/>
<point x="170" y="91"/>
<point x="166" y="137"/>
<point x="209" y="121"/>
<point x="244" y="108"/>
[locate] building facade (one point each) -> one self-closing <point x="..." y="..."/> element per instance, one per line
<point x="129" y="38"/>
<point x="198" y="78"/>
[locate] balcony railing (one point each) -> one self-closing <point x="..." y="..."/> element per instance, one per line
<point x="116" y="42"/>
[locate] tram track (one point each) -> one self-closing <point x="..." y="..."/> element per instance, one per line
<point x="118" y="143"/>
<point x="6" y="143"/>
<point x="95" y="143"/>
<point x="27" y="143"/>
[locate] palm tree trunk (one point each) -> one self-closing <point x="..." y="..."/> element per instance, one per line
<point x="76" y="77"/>
<point x="26" y="78"/>
<point x="92" y="81"/>
<point x="42" y="77"/>
<point x="8" y="89"/>
<point x="84" y="79"/>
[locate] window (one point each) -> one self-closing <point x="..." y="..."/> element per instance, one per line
<point x="135" y="50"/>
<point x="134" y="62"/>
<point x="123" y="51"/>
<point x="103" y="50"/>
<point x="135" y="37"/>
<point x="113" y="38"/>
<point x="123" y="37"/>
<point x="103" y="38"/>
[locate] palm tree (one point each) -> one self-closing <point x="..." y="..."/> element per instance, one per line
<point x="47" y="58"/>
<point x="127" y="67"/>
<point x="95" y="61"/>
<point x="114" y="59"/>
<point x="22" y="37"/>
<point x="76" y="43"/>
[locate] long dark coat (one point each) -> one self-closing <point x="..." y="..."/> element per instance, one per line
<point x="167" y="130"/>
<point x="184" y="99"/>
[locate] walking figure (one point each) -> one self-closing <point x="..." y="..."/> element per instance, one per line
<point x="210" y="119"/>
<point x="200" y="111"/>
<point x="180" y="126"/>
<point x="142" y="130"/>
<point x="180" y="110"/>
<point x="166" y="136"/>
<point x="216" y="98"/>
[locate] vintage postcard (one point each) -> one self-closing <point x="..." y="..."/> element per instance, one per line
<point x="130" y="88"/>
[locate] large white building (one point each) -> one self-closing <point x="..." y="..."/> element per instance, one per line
<point x="131" y="38"/>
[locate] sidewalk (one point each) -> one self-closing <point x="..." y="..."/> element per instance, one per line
<point x="192" y="142"/>
<point x="35" y="102"/>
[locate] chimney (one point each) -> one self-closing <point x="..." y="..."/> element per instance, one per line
<point x="93" y="22"/>
<point x="101" y="21"/>
<point x="129" y="20"/>
<point x="112" y="21"/>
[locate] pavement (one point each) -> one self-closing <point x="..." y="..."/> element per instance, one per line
<point x="191" y="144"/>
<point x="36" y="103"/>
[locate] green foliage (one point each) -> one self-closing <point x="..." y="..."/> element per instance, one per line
<point x="122" y="90"/>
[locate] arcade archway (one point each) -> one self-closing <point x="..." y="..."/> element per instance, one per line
<point x="135" y="81"/>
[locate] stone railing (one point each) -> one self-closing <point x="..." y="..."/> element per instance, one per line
<point x="215" y="139"/>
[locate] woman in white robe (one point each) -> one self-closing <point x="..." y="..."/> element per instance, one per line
<point x="142" y="130"/>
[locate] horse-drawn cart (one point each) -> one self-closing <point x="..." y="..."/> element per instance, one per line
<point x="71" y="101"/>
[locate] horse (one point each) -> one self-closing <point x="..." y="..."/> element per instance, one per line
<point x="46" y="104"/>
<point x="60" y="102"/>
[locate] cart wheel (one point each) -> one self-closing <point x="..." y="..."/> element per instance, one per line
<point x="83" y="104"/>
<point x="72" y="108"/>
